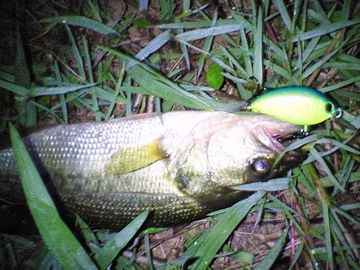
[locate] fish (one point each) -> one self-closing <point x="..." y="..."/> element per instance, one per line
<point x="178" y="165"/>
<point x="299" y="105"/>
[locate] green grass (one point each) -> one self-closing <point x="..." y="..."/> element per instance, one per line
<point x="300" y="43"/>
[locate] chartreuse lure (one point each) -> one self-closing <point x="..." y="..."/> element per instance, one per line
<point x="298" y="105"/>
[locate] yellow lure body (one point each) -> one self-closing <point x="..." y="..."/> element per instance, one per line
<point x="298" y="105"/>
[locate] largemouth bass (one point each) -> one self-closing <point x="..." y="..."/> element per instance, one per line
<point x="180" y="165"/>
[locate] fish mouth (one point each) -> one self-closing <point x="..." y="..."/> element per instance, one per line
<point x="273" y="138"/>
<point x="276" y="136"/>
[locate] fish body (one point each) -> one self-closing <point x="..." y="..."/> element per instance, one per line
<point x="298" y="105"/>
<point x="179" y="165"/>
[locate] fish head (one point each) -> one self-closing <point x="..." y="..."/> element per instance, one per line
<point x="246" y="151"/>
<point x="233" y="150"/>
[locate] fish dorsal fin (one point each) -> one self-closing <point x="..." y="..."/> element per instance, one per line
<point x="134" y="158"/>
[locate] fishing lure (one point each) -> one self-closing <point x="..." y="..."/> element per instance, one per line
<point x="298" y="105"/>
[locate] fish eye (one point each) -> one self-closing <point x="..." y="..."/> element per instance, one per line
<point x="329" y="107"/>
<point x="260" y="167"/>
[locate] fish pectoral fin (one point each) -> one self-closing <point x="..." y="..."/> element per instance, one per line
<point x="134" y="158"/>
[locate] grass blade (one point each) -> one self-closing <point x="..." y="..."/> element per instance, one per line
<point x="296" y="256"/>
<point x="325" y="167"/>
<point x="326" y="29"/>
<point x="82" y="22"/>
<point x="106" y="254"/>
<point x="283" y="13"/>
<point x="89" y="236"/>
<point x="76" y="52"/>
<point x="148" y="251"/>
<point x="320" y="12"/>
<point x="151" y="47"/>
<point x="16" y="89"/>
<point x="62" y="96"/>
<point x="340" y="85"/>
<point x="327" y="233"/>
<point x="45" y="91"/>
<point x="143" y="5"/>
<point x="205" y="23"/>
<point x="207" y="46"/>
<point x="206" y="248"/>
<point x="342" y="65"/>
<point x="94" y="97"/>
<point x="258" y="56"/>
<point x="116" y="94"/>
<point x="203" y="33"/>
<point x="273" y="253"/>
<point x="27" y="113"/>
<point x="339" y="145"/>
<point x="157" y="85"/>
<point x="321" y="62"/>
<point x="22" y="74"/>
<point x="53" y="230"/>
<point x="341" y="233"/>
<point x="270" y="185"/>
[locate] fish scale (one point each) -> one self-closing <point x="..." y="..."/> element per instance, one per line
<point x="180" y="165"/>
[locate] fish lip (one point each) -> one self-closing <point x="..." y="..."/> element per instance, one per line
<point x="279" y="139"/>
